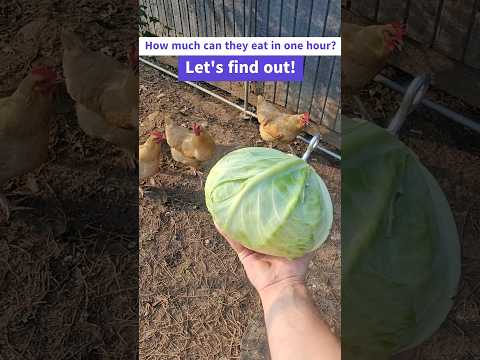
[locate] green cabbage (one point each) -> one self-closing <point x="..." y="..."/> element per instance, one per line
<point x="269" y="201"/>
<point x="400" y="249"/>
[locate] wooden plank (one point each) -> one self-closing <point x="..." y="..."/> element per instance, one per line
<point x="264" y="27"/>
<point x="168" y="26"/>
<point x="177" y="17"/>
<point x="302" y="28"/>
<point x="250" y="17"/>
<point x="150" y="10"/>
<point x="329" y="115"/>
<point x="422" y="17"/>
<point x="452" y="34"/>
<point x="171" y="31"/>
<point x="192" y="10"/>
<point x="162" y="17"/>
<point x="201" y="19"/>
<point x="238" y="16"/>
<point x="152" y="27"/>
<point x="229" y="21"/>
<point x="262" y="17"/>
<point x="325" y="78"/>
<point x="320" y="93"/>
<point x="274" y="21"/>
<point x="185" y="20"/>
<point x="287" y="17"/>
<point x="312" y="63"/>
<point x="162" y="29"/>
<point x="333" y="23"/>
<point x="392" y="10"/>
<point x="209" y="8"/>
<point x="472" y="53"/>
<point x="272" y="27"/>
<point x="364" y="8"/>
<point x="287" y="29"/>
<point x="219" y="18"/>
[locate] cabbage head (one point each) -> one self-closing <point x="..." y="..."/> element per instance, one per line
<point x="400" y="249"/>
<point x="270" y="202"/>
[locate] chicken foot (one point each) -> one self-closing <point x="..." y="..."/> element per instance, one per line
<point x="128" y="161"/>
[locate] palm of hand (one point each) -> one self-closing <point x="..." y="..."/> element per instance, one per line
<point x="264" y="271"/>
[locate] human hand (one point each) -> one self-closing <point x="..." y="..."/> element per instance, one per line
<point x="268" y="273"/>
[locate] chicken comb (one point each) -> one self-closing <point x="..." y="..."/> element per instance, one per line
<point x="306" y="118"/>
<point x="196" y="128"/>
<point x="158" y="134"/>
<point x="400" y="29"/>
<point x="45" y="72"/>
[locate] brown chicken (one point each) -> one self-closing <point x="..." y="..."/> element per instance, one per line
<point x="149" y="155"/>
<point x="366" y="50"/>
<point x="105" y="92"/>
<point x="190" y="147"/>
<point x="24" y="131"/>
<point x="276" y="125"/>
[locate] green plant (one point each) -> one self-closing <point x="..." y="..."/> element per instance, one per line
<point x="400" y="249"/>
<point x="145" y="21"/>
<point x="269" y="201"/>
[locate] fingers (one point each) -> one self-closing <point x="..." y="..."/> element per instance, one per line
<point x="235" y="245"/>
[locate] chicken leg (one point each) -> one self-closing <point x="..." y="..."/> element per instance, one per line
<point x="363" y="110"/>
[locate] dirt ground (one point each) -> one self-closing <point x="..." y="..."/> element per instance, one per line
<point x="195" y="300"/>
<point x="68" y="266"/>
<point x="452" y="154"/>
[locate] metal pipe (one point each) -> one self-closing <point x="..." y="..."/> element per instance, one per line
<point x="472" y="124"/>
<point x="216" y="96"/>
<point x="246" y="85"/>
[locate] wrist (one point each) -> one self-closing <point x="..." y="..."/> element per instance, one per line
<point x="285" y="288"/>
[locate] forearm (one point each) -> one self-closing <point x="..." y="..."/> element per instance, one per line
<point x="294" y="327"/>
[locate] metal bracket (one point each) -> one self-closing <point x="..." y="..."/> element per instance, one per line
<point x="245" y="115"/>
<point x="412" y="98"/>
<point x="311" y="146"/>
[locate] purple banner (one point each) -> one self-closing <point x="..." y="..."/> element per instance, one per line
<point x="240" y="68"/>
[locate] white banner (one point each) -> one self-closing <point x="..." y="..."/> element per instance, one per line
<point x="240" y="46"/>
